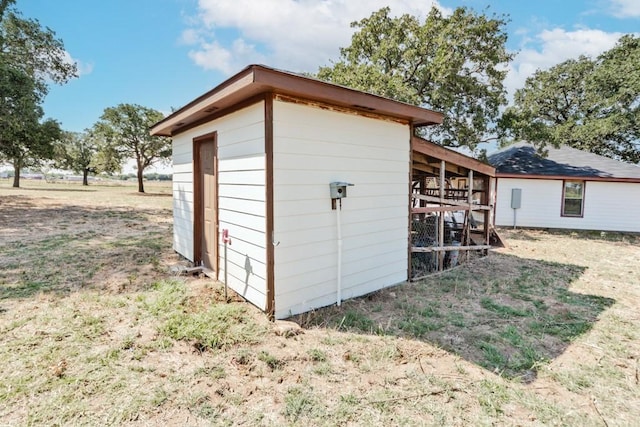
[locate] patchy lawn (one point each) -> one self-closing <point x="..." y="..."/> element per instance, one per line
<point x="95" y="330"/>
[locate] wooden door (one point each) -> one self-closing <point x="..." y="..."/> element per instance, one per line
<point x="208" y="196"/>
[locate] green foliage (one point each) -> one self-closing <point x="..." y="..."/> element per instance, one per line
<point x="589" y="104"/>
<point x="125" y="132"/>
<point x="26" y="46"/>
<point x="30" y="56"/>
<point x="454" y="64"/>
<point x="79" y="152"/>
<point x="25" y="140"/>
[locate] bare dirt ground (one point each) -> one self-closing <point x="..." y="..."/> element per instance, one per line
<point x="95" y="330"/>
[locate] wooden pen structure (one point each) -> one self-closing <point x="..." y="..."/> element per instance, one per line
<point x="451" y="203"/>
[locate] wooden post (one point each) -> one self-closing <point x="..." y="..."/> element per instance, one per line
<point x="441" y="217"/>
<point x="469" y="214"/>
<point x="486" y="201"/>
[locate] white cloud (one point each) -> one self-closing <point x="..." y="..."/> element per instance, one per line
<point x="298" y="35"/>
<point x="84" y="68"/>
<point x="553" y="47"/>
<point x="190" y="36"/>
<point x="213" y="56"/>
<point x="625" y="8"/>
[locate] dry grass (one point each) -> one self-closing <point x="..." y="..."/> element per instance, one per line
<point x="94" y="330"/>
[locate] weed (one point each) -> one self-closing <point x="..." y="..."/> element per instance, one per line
<point x="492" y="397"/>
<point x="243" y="357"/>
<point x="159" y="397"/>
<point x="322" y="368"/>
<point x="418" y="327"/>
<point x="317" y="355"/>
<point x="355" y="320"/>
<point x="512" y="335"/>
<point x="493" y="357"/>
<point x="431" y="310"/>
<point x="299" y="401"/>
<point x="502" y="310"/>
<point x="574" y="381"/>
<point x="528" y="359"/>
<point x="127" y="343"/>
<point x="540" y="305"/>
<point x="217" y="326"/>
<point x="456" y="319"/>
<point x="214" y="372"/>
<point x="272" y="362"/>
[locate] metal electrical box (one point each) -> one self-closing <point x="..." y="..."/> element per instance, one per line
<point x="338" y="190"/>
<point x="516" y="198"/>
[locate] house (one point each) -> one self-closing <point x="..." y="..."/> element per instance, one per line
<point x="313" y="183"/>
<point x="568" y="188"/>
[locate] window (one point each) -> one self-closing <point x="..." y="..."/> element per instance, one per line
<point x="573" y="198"/>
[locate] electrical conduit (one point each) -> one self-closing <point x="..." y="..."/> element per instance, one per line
<point x="339" y="227"/>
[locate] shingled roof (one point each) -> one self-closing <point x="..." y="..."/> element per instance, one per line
<point x="522" y="159"/>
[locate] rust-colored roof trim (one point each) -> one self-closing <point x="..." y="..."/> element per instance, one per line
<point x="450" y="156"/>
<point x="257" y="79"/>
<point x="568" y="177"/>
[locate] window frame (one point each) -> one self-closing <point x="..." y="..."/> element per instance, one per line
<point x="564" y="199"/>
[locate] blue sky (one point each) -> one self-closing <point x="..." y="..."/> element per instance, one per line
<point x="164" y="53"/>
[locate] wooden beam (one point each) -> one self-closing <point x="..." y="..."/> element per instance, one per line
<point x="452" y="202"/>
<point x="429" y="209"/>
<point x="420" y="249"/>
<point x="424" y="168"/>
<point x="434" y="150"/>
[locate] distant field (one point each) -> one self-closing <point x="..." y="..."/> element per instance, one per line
<point x="95" y="330"/>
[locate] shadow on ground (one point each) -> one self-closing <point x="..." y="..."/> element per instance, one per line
<point x="505" y="313"/>
<point x="60" y="190"/>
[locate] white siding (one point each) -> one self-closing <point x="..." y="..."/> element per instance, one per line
<point x="241" y="198"/>
<point x="611" y="206"/>
<point x="313" y="147"/>
<point x="608" y="206"/>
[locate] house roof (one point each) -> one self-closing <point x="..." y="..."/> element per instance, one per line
<point x="255" y="80"/>
<point x="522" y="160"/>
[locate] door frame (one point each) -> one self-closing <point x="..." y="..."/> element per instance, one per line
<point x="198" y="212"/>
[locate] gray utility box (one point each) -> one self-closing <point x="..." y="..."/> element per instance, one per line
<point x="516" y="198"/>
<point x="338" y="190"/>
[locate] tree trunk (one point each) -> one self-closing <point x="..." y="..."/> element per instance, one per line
<point x="85" y="179"/>
<point x="140" y="183"/>
<point x="16" y="175"/>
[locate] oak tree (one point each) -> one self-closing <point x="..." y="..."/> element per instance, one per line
<point x="28" y="46"/>
<point x="30" y="57"/>
<point x="125" y="132"/>
<point x="453" y="64"/>
<point x="25" y="140"/>
<point x="78" y="152"/>
<point x="589" y="104"/>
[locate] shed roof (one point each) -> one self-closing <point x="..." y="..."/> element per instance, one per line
<point x="522" y="160"/>
<point x="458" y="164"/>
<point x="259" y="79"/>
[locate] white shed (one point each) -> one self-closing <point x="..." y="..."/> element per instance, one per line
<point x="568" y="188"/>
<point x="256" y="156"/>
